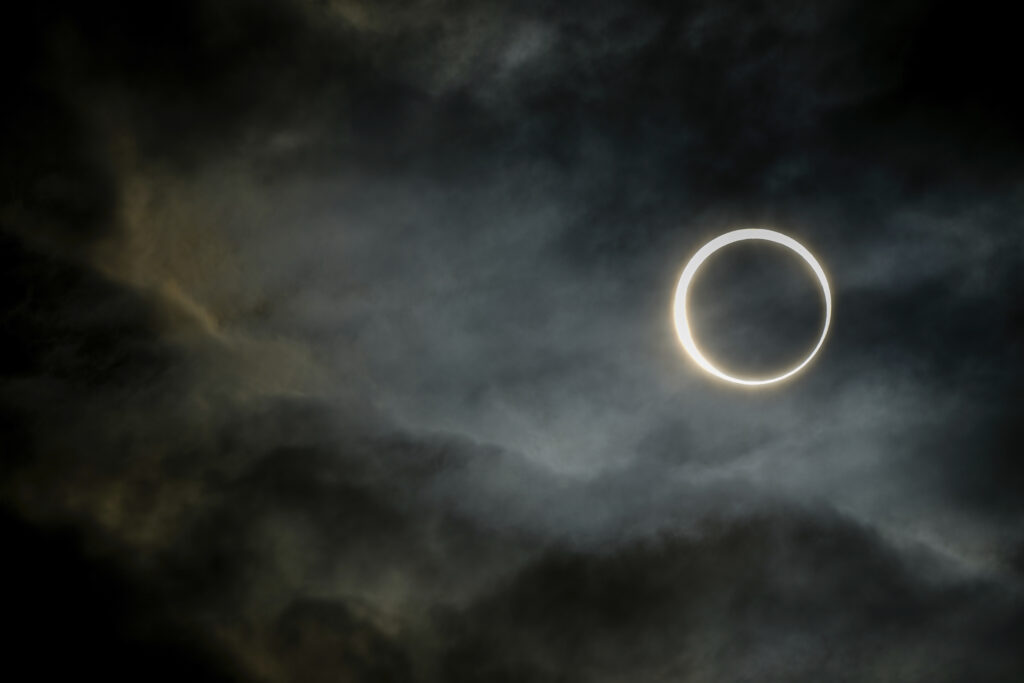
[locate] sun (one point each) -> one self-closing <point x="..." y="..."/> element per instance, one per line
<point x="685" y="332"/>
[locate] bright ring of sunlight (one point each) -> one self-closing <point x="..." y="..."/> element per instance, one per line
<point x="682" y="320"/>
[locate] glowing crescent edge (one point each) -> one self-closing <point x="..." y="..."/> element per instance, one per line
<point x="683" y="325"/>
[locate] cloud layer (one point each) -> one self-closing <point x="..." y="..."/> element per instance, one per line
<point x="337" y="342"/>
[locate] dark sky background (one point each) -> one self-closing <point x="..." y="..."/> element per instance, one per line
<point x="337" y="341"/>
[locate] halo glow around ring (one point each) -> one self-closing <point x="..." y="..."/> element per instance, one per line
<point x="682" y="321"/>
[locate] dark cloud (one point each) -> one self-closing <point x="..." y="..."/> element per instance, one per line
<point x="337" y="341"/>
<point x="776" y="597"/>
<point x="69" y="612"/>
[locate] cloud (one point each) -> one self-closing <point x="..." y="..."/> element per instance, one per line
<point x="337" y="335"/>
<point x="781" y="596"/>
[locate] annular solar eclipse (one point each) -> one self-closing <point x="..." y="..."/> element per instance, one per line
<point x="682" y="321"/>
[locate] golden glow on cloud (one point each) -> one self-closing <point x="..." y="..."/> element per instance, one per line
<point x="684" y="330"/>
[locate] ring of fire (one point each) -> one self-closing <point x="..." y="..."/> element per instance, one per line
<point x="684" y="330"/>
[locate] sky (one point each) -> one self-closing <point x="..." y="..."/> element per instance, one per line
<point x="338" y="344"/>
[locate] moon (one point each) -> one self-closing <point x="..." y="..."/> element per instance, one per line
<point x="685" y="332"/>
